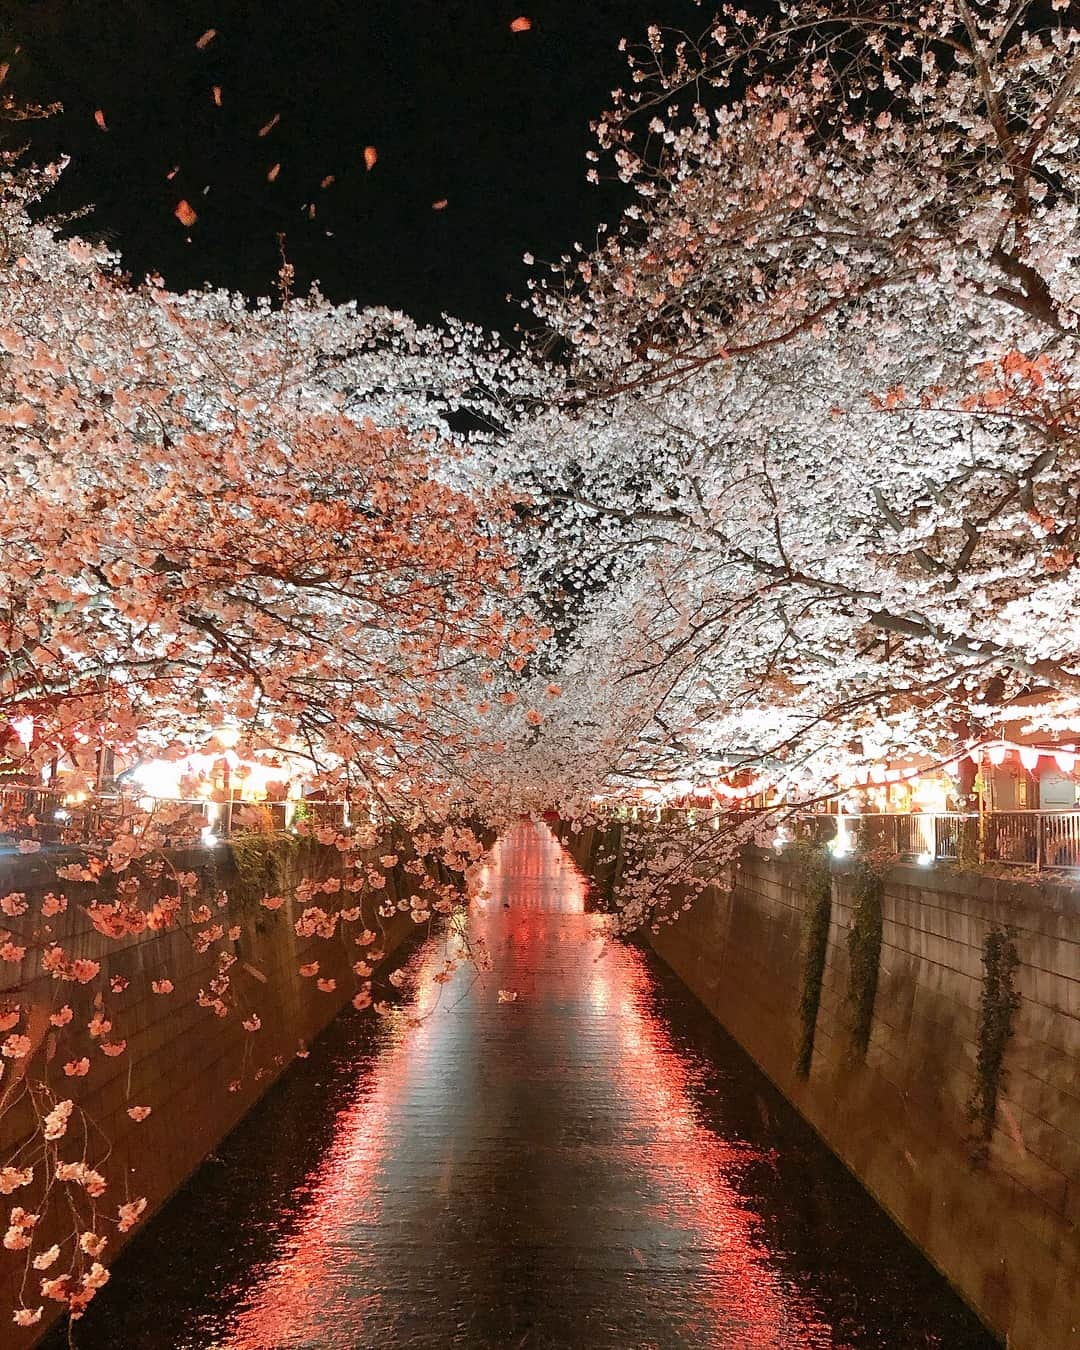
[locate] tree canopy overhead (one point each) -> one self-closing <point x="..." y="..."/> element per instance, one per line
<point x="823" y="377"/>
<point x="791" y="474"/>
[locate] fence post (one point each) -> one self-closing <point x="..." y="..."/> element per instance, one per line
<point x="1039" y="850"/>
<point x="980" y="788"/>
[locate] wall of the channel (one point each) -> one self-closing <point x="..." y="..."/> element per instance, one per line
<point x="199" y="1073"/>
<point x="1006" y="1230"/>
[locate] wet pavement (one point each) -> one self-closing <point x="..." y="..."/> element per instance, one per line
<point x="582" y="1160"/>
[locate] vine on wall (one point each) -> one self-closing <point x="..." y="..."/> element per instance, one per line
<point x="817" y="884"/>
<point x="864" y="952"/>
<point x="997" y="1012"/>
<point x="264" y="864"/>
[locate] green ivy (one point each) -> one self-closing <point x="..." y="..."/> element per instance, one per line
<point x="997" y="1012"/>
<point x="864" y="953"/>
<point x="968" y="853"/>
<point x="817" y="886"/>
<point x="264" y="863"/>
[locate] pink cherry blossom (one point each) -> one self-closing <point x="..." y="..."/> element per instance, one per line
<point x="56" y="1122"/>
<point x="129" y="1214"/>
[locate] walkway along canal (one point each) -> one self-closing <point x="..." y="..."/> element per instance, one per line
<point x="565" y="1151"/>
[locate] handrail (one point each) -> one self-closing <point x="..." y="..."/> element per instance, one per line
<point x="1024" y="837"/>
<point x="49" y="816"/>
<point x="1046" y="840"/>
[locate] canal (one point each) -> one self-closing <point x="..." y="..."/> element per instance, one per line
<point x="562" y="1151"/>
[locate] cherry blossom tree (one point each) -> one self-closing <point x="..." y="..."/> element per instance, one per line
<point x="195" y="529"/>
<point x="212" y="511"/>
<point x="822" y="429"/>
<point x="800" y="492"/>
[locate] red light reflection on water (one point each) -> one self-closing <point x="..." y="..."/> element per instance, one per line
<point x="690" y="1163"/>
<point x="295" y="1294"/>
<point x="553" y="955"/>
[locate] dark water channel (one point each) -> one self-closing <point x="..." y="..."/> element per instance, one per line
<point x="593" y="1163"/>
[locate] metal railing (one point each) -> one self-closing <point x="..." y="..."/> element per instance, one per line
<point x="49" y="816"/>
<point x="1040" y="839"/>
<point x="1044" y="840"/>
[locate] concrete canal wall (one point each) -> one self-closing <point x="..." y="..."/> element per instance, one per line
<point x="199" y="1073"/>
<point x="998" y="1215"/>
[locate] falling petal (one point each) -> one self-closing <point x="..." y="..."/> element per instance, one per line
<point x="185" y="214"/>
<point x="268" y="128"/>
<point x="99" y="118"/>
<point x="173" y="172"/>
<point x="440" y="205"/>
<point x="371" y="155"/>
<point x="327" y="181"/>
<point x="217" y="94"/>
<point x="521" y="24"/>
<point x="207" y="38"/>
<point x="273" y="172"/>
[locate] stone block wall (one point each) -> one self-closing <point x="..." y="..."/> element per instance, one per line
<point x="199" y="1073"/>
<point x="1003" y="1223"/>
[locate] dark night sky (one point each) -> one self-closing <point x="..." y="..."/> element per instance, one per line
<point x="458" y="106"/>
